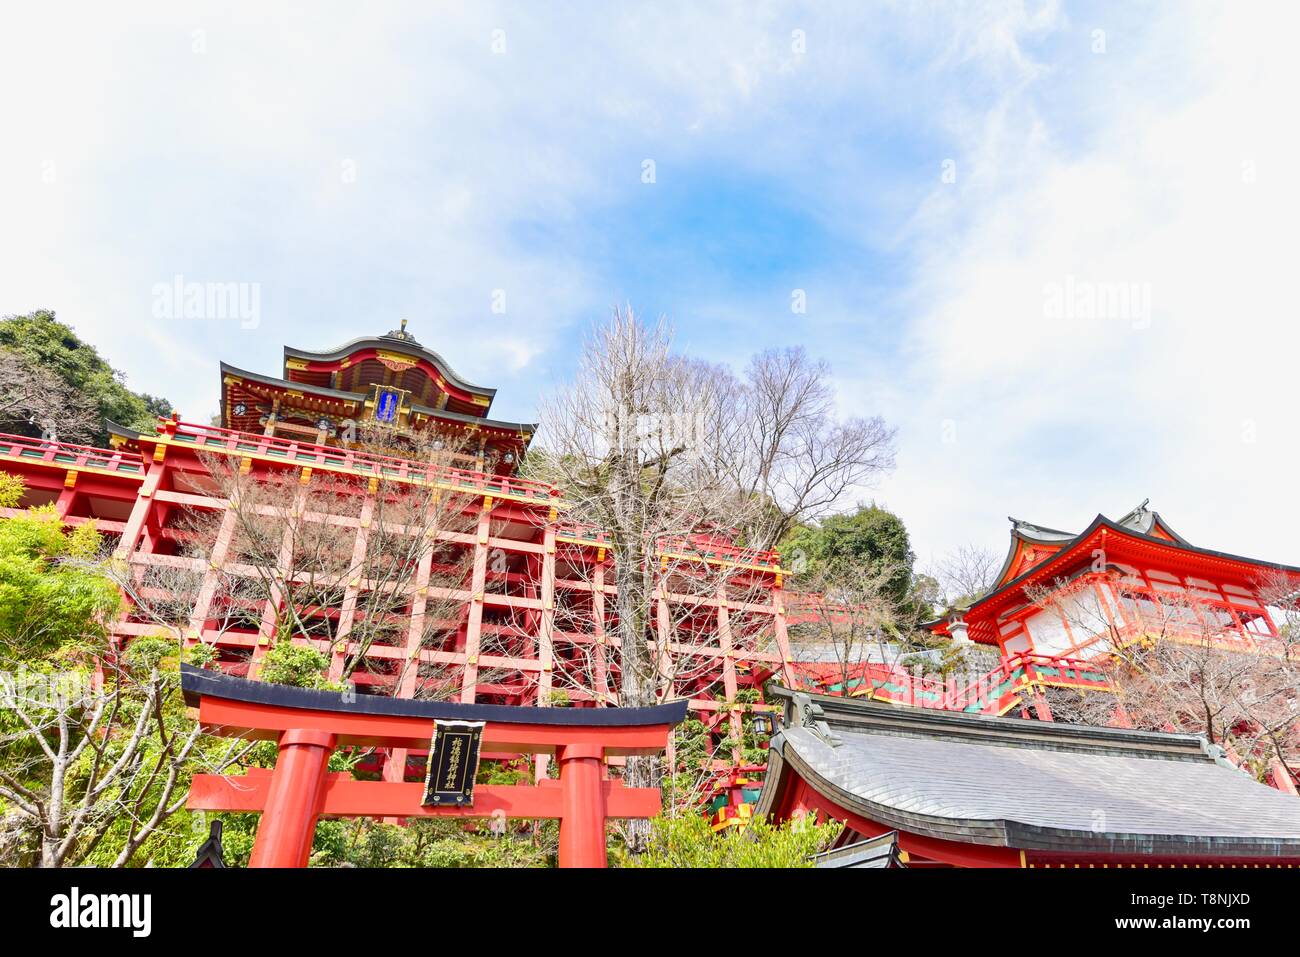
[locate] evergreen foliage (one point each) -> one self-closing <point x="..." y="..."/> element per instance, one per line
<point x="873" y="538"/>
<point x="45" y="343"/>
<point x="51" y="597"/>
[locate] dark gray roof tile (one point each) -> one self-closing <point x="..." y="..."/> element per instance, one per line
<point x="1034" y="784"/>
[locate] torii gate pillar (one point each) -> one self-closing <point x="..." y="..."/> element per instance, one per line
<point x="582" y="828"/>
<point x="294" y="803"/>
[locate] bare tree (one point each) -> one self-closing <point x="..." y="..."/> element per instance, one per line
<point x="36" y="402"/>
<point x="848" y="622"/>
<point x="674" y="458"/>
<point x="83" y="760"/>
<point x="95" y="745"/>
<point x="790" y="451"/>
<point x="701" y="584"/>
<point x="966" y="574"/>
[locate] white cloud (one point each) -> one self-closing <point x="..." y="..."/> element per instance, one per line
<point x="1057" y="420"/>
<point x="367" y="164"/>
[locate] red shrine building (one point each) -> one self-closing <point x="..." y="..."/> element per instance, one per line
<point x="389" y="379"/>
<point x="1113" y="582"/>
<point x="1062" y="600"/>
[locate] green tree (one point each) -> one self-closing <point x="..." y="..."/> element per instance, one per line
<point x="872" y="539"/>
<point x="11" y="490"/>
<point x="43" y="343"/>
<point x="96" y="749"/>
<point x="433" y="842"/>
<point x="926" y="595"/>
<point x="50" y="596"/>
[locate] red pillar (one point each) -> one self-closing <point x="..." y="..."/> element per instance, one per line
<point x="297" y="788"/>
<point x="1041" y="707"/>
<point x="582" y="828"/>
<point x="1280" y="778"/>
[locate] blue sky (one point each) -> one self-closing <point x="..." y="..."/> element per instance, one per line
<point x="365" y="163"/>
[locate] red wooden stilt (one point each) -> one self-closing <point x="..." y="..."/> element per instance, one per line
<point x="582" y="828"/>
<point x="288" y="824"/>
<point x="1041" y="707"/>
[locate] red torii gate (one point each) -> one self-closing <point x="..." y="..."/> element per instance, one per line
<point x="310" y="725"/>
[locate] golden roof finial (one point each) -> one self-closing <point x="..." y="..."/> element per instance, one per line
<point x="401" y="334"/>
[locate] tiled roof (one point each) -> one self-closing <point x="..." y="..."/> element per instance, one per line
<point x="1036" y="785"/>
<point x="874" y="852"/>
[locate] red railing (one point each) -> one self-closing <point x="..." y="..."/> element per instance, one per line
<point x="712" y="551"/>
<point x="988" y="693"/>
<point x="720" y="551"/>
<point x="65" y="453"/>
<point x="581" y="531"/>
<point x="218" y="439"/>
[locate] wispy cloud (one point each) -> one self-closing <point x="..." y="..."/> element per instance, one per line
<point x="919" y="179"/>
<point x="1169" y="181"/>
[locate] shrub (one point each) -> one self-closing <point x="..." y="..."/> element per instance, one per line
<point x="301" y="666"/>
<point x="688" y="840"/>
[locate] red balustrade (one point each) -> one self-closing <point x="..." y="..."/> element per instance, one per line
<point x="68" y="454"/>
<point x="219" y="439"/>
